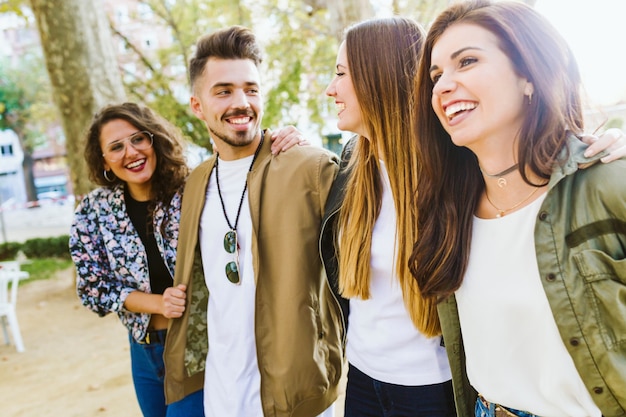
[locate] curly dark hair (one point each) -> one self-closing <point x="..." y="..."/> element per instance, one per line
<point x="169" y="146"/>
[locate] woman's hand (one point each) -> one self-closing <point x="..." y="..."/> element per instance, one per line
<point x="285" y="138"/>
<point x="613" y="141"/>
<point x="174" y="301"/>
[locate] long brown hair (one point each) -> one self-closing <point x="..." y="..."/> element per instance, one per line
<point x="169" y="145"/>
<point x="450" y="182"/>
<point x="383" y="58"/>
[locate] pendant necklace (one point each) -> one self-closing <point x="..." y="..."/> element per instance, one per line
<point x="501" y="212"/>
<point x="231" y="243"/>
<point x="500" y="175"/>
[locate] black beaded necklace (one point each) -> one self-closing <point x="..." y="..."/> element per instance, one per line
<point x="245" y="187"/>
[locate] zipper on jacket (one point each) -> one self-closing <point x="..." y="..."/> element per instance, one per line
<point x="343" y="319"/>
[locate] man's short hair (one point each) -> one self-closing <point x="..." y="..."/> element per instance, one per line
<point x="234" y="42"/>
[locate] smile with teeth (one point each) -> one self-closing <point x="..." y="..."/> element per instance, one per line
<point x="454" y="109"/>
<point x="135" y="164"/>
<point x="240" y="120"/>
<point x="340" y="106"/>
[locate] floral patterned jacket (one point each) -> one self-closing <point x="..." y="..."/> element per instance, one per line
<point x="109" y="255"/>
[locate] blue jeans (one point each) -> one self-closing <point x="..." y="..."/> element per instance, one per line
<point x="367" y="397"/>
<point x="484" y="410"/>
<point x="148" y="371"/>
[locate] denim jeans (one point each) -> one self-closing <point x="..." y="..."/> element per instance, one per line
<point x="482" y="410"/>
<point x="148" y="371"/>
<point x="367" y="397"/>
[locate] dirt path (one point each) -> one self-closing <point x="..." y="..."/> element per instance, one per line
<point x="76" y="364"/>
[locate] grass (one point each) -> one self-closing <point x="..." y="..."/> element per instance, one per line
<point x="44" y="268"/>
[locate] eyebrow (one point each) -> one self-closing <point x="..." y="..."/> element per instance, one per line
<point x="455" y="55"/>
<point x="225" y="84"/>
<point x="124" y="138"/>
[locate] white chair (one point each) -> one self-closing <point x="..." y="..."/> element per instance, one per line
<point x="10" y="274"/>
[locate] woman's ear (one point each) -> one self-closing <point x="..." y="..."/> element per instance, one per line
<point x="528" y="91"/>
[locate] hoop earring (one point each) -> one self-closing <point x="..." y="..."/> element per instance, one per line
<point x="106" y="177"/>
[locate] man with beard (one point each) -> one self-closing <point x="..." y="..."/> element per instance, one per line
<point x="261" y="330"/>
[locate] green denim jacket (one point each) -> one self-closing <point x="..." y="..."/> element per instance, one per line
<point x="580" y="241"/>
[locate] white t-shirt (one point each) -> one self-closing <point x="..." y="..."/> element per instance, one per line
<point x="382" y="340"/>
<point x="515" y="355"/>
<point x="232" y="379"/>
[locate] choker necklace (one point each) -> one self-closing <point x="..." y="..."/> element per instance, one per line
<point x="231" y="243"/>
<point x="500" y="175"/>
<point x="501" y="212"/>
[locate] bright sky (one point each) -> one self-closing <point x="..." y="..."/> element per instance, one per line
<point x="596" y="32"/>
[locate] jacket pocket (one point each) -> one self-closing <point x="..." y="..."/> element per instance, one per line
<point x="605" y="292"/>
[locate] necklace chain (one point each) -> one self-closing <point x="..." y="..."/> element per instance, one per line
<point x="500" y="175"/>
<point x="501" y="212"/>
<point x="245" y="187"/>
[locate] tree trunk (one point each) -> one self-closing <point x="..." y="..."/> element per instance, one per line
<point x="344" y="13"/>
<point x="29" y="178"/>
<point x="83" y="69"/>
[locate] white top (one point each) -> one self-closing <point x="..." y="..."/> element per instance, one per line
<point x="382" y="340"/>
<point x="232" y="378"/>
<point x="515" y="355"/>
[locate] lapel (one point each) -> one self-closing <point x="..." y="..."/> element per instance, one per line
<point x="256" y="182"/>
<point x="191" y="211"/>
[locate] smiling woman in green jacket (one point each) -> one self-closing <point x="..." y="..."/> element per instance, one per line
<point x="527" y="251"/>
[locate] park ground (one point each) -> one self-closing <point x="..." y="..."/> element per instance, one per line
<point x="76" y="364"/>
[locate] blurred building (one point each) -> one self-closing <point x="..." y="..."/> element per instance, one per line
<point x="12" y="189"/>
<point x="50" y="170"/>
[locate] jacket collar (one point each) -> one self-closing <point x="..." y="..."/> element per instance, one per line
<point x="573" y="156"/>
<point x="338" y="189"/>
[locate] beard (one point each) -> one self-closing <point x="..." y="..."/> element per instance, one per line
<point x="238" y="138"/>
<point x="235" y="139"/>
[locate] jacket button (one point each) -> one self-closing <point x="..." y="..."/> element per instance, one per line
<point x="598" y="390"/>
<point x="574" y="341"/>
<point x="543" y="215"/>
<point x="551" y="277"/>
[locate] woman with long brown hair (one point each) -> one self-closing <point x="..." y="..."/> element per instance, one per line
<point x="397" y="365"/>
<point x="525" y="249"/>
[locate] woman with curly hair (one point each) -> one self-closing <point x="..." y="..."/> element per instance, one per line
<point x="124" y="235"/>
